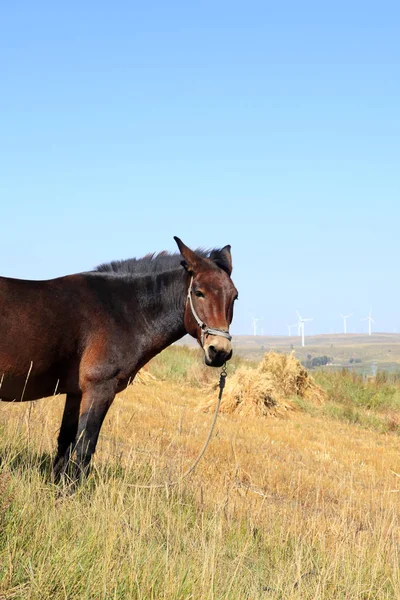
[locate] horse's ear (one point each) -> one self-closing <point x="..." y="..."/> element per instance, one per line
<point x="192" y="262"/>
<point x="223" y="259"/>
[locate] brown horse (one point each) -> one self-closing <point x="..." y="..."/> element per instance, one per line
<point x="87" y="335"/>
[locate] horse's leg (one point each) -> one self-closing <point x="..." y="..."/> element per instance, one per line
<point x="96" y="400"/>
<point x="67" y="435"/>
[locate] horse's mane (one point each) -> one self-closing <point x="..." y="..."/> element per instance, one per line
<point x="150" y="264"/>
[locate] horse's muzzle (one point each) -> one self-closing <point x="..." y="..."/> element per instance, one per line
<point x="216" y="358"/>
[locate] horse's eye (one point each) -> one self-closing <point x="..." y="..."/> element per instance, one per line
<point x="199" y="294"/>
<point x="236" y="297"/>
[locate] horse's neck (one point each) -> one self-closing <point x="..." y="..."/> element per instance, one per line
<point x="162" y="307"/>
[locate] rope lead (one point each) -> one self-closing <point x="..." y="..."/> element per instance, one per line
<point x="222" y="381"/>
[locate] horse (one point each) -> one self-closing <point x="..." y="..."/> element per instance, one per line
<point x="88" y="334"/>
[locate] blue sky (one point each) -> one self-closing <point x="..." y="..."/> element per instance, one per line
<point x="274" y="127"/>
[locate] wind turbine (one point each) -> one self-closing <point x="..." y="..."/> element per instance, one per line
<point x="301" y="326"/>
<point x="370" y="321"/>
<point x="255" y="321"/>
<point x="345" y="317"/>
<point x="290" y="329"/>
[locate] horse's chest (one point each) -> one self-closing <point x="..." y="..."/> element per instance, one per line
<point x="123" y="382"/>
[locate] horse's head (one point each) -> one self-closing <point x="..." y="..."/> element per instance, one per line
<point x="210" y="299"/>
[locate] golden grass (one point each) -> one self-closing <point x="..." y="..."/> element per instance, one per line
<point x="270" y="389"/>
<point x="301" y="508"/>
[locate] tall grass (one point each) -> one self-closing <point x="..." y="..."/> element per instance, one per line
<point x="109" y="541"/>
<point x="372" y="402"/>
<point x="347" y="387"/>
<point x="303" y="508"/>
<point x="112" y="541"/>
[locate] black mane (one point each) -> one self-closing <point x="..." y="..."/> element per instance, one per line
<point x="148" y="265"/>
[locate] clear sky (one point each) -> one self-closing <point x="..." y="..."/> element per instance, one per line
<point x="271" y="126"/>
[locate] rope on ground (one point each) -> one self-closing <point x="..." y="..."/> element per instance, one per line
<point x="167" y="484"/>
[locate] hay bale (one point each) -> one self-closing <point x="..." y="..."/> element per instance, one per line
<point x="290" y="378"/>
<point x="270" y="389"/>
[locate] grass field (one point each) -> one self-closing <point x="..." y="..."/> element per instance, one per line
<point x="304" y="507"/>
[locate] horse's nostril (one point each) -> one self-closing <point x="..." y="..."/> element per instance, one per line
<point x="215" y="357"/>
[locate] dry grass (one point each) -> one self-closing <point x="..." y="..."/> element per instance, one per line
<point x="278" y="509"/>
<point x="268" y="390"/>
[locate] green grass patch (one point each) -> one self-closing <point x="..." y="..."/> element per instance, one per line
<point x="372" y="403"/>
<point x="351" y="414"/>
<point x="346" y="387"/>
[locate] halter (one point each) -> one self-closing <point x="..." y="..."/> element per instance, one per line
<point x="203" y="327"/>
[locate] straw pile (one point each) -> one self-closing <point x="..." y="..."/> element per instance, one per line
<point x="270" y="389"/>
